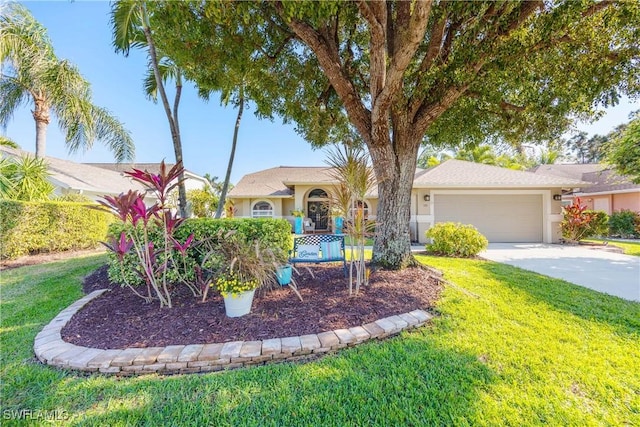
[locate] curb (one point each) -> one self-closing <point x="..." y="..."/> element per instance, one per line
<point x="51" y="349"/>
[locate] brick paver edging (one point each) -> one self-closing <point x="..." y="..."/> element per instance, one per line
<point x="52" y="350"/>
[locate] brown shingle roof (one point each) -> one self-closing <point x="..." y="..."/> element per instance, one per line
<point x="602" y="178"/>
<point x="607" y="181"/>
<point x="277" y="182"/>
<point x="460" y="173"/>
<point x="574" y="171"/>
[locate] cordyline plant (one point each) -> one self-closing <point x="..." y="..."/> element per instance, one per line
<point x="154" y="262"/>
<point x="576" y="221"/>
<point x="356" y="178"/>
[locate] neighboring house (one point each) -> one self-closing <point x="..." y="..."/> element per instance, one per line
<point x="70" y="177"/>
<point x="607" y="191"/>
<point x="505" y="205"/>
<point x="192" y="181"/>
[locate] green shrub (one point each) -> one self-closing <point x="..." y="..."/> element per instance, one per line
<point x="73" y="197"/>
<point x="274" y="234"/>
<point x="623" y="224"/>
<point x="599" y="225"/>
<point x="203" y="203"/>
<point x="455" y="239"/>
<point x="35" y="227"/>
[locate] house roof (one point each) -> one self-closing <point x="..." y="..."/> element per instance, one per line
<point x="574" y="171"/>
<point x="460" y="173"/>
<point x="278" y="181"/>
<point x="607" y="181"/>
<point x="78" y="176"/>
<point x="151" y="167"/>
<point x="602" y="178"/>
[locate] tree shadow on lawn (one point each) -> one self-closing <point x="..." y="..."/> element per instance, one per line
<point x="580" y="301"/>
<point x="407" y="380"/>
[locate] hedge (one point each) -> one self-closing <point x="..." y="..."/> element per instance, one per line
<point x="35" y="227"/>
<point x="272" y="233"/>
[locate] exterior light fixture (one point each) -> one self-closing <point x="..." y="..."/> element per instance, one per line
<point x="557" y="197"/>
<point x="427" y="197"/>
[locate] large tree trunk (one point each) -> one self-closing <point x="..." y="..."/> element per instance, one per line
<point x="225" y="186"/>
<point x="42" y="119"/>
<point x="395" y="166"/>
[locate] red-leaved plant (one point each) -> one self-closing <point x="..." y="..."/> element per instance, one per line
<point x="154" y="262"/>
<point x="576" y="221"/>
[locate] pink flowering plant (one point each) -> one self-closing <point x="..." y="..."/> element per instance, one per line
<point x="158" y="265"/>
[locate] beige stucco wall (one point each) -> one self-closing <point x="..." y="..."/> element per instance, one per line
<point x="243" y="207"/>
<point x="422" y="213"/>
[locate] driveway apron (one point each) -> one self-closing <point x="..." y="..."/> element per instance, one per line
<point x="606" y="272"/>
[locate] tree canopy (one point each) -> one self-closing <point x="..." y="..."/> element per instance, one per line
<point x="401" y="73"/>
<point x="624" y="150"/>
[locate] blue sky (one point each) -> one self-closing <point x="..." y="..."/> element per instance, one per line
<point x="80" y="32"/>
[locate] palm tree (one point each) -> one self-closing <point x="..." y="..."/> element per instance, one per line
<point x="479" y="154"/>
<point x="31" y="73"/>
<point x="239" y="101"/>
<point x="131" y="27"/>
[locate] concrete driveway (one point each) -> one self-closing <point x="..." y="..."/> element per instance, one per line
<point x="606" y="272"/>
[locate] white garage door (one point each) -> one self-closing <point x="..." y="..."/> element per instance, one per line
<point x="501" y="218"/>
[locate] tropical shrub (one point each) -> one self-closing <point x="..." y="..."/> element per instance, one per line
<point x="455" y="239"/>
<point x="599" y="225"/>
<point x="211" y="249"/>
<point x="25" y="178"/>
<point x="579" y="223"/>
<point x="203" y="203"/>
<point x="155" y="262"/>
<point x="39" y="227"/>
<point x="624" y="223"/>
<point x="355" y="177"/>
<point x="272" y="233"/>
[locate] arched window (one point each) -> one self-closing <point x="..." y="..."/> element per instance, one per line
<point x="262" y="210"/>
<point x="318" y="193"/>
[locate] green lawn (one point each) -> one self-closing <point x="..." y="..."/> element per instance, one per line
<point x="509" y="348"/>
<point x="630" y="248"/>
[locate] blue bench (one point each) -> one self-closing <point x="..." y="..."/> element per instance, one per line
<point x="318" y="248"/>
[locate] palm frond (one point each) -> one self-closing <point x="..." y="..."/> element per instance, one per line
<point x="7" y="172"/>
<point x="168" y="71"/>
<point x="30" y="179"/>
<point x="13" y="96"/>
<point x="112" y="133"/>
<point x="126" y="25"/>
<point x="8" y="142"/>
<point x="21" y="36"/>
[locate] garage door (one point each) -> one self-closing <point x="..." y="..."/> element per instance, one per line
<point x="501" y="218"/>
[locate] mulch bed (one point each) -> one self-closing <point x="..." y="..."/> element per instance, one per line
<point x="119" y="319"/>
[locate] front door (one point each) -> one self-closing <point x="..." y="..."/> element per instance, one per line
<point x="319" y="214"/>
